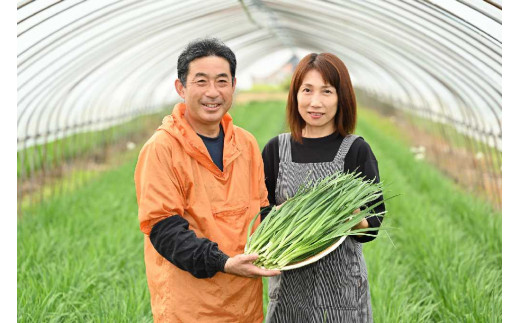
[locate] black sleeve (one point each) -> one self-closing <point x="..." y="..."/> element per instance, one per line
<point x="265" y="211"/>
<point x="360" y="158"/>
<point x="176" y="243"/>
<point x="271" y="162"/>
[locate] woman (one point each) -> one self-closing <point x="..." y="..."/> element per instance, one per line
<point x="321" y="112"/>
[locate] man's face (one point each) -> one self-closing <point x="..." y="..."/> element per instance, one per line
<point x="208" y="93"/>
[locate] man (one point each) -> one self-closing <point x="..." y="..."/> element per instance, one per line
<point x="199" y="182"/>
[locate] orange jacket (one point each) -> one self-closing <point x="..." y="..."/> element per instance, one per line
<point x="175" y="175"/>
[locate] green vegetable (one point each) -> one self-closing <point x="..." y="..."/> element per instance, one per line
<point x="313" y="219"/>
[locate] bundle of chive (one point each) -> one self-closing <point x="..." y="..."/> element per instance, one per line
<point x="312" y="220"/>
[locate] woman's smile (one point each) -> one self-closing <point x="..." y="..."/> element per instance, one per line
<point x="317" y="105"/>
<point x="316" y="115"/>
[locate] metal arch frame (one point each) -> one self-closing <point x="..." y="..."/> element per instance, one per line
<point x="443" y="9"/>
<point x="482" y="12"/>
<point x="23" y="84"/>
<point x="67" y="127"/>
<point x="372" y="32"/>
<point x="382" y="16"/>
<point x="42" y="85"/>
<point x="397" y="58"/>
<point x="466" y="73"/>
<point x="107" y="91"/>
<point x="459" y="99"/>
<point x="446" y="82"/>
<point x="37" y="134"/>
<point x="34" y="14"/>
<point x="477" y="124"/>
<point x="397" y="75"/>
<point x="55" y="61"/>
<point x="157" y="60"/>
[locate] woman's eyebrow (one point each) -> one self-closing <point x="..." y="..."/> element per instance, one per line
<point x="324" y="86"/>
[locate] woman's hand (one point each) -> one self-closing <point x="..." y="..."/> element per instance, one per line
<point x="361" y="225"/>
<point x="279" y="206"/>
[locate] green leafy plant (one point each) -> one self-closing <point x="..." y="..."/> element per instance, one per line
<point x="313" y="219"/>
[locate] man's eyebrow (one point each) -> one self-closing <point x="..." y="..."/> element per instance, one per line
<point x="200" y="74"/>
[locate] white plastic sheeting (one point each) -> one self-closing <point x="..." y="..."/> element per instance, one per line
<point x="85" y="65"/>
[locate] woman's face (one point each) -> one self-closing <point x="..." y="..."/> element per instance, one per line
<point x="317" y="105"/>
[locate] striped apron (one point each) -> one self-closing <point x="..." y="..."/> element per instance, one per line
<point x="333" y="289"/>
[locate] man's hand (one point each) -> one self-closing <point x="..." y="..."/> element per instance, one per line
<point x="242" y="265"/>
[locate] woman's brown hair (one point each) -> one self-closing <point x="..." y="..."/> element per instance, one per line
<point x="334" y="72"/>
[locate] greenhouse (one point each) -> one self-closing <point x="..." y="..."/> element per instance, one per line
<point x="96" y="78"/>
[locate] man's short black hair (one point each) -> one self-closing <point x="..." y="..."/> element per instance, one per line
<point x="202" y="48"/>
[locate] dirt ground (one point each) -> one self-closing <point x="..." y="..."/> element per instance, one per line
<point x="474" y="171"/>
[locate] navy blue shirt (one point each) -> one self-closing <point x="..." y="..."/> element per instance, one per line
<point x="215" y="147"/>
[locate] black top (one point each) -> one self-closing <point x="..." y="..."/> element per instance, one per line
<point x="215" y="147"/>
<point x="359" y="158"/>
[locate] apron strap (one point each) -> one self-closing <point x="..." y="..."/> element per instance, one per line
<point x="344" y="148"/>
<point x="284" y="147"/>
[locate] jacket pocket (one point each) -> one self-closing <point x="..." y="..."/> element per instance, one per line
<point x="231" y="217"/>
<point x="232" y="226"/>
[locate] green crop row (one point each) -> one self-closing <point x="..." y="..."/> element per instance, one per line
<point x="54" y="153"/>
<point x="80" y="254"/>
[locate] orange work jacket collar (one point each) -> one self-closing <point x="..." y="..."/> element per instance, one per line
<point x="177" y="126"/>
